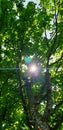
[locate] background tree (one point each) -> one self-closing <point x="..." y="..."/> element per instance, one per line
<point x="30" y="101"/>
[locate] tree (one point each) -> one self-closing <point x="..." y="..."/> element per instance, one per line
<point x="28" y="101"/>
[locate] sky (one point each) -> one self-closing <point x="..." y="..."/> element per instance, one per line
<point x="35" y="1"/>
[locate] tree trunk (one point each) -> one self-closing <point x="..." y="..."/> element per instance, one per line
<point x="36" y="120"/>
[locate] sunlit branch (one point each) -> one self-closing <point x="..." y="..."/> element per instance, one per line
<point x="46" y="38"/>
<point x="57" y="60"/>
<point x="55" y="44"/>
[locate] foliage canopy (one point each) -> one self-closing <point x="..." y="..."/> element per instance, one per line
<point x="30" y="102"/>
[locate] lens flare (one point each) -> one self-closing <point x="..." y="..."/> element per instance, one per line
<point x="27" y="59"/>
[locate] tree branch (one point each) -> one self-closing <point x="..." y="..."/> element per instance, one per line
<point x="46" y="37"/>
<point x="56" y="107"/>
<point x="54" y="45"/>
<point x="58" y="122"/>
<point x="57" y="60"/>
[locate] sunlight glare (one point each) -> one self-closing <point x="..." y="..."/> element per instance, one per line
<point x="33" y="68"/>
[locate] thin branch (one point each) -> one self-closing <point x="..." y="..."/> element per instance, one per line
<point x="46" y="37"/>
<point x="56" y="107"/>
<point x="59" y="120"/>
<point x="53" y="46"/>
<point x="57" y="60"/>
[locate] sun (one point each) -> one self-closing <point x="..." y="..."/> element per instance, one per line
<point x="33" y="68"/>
